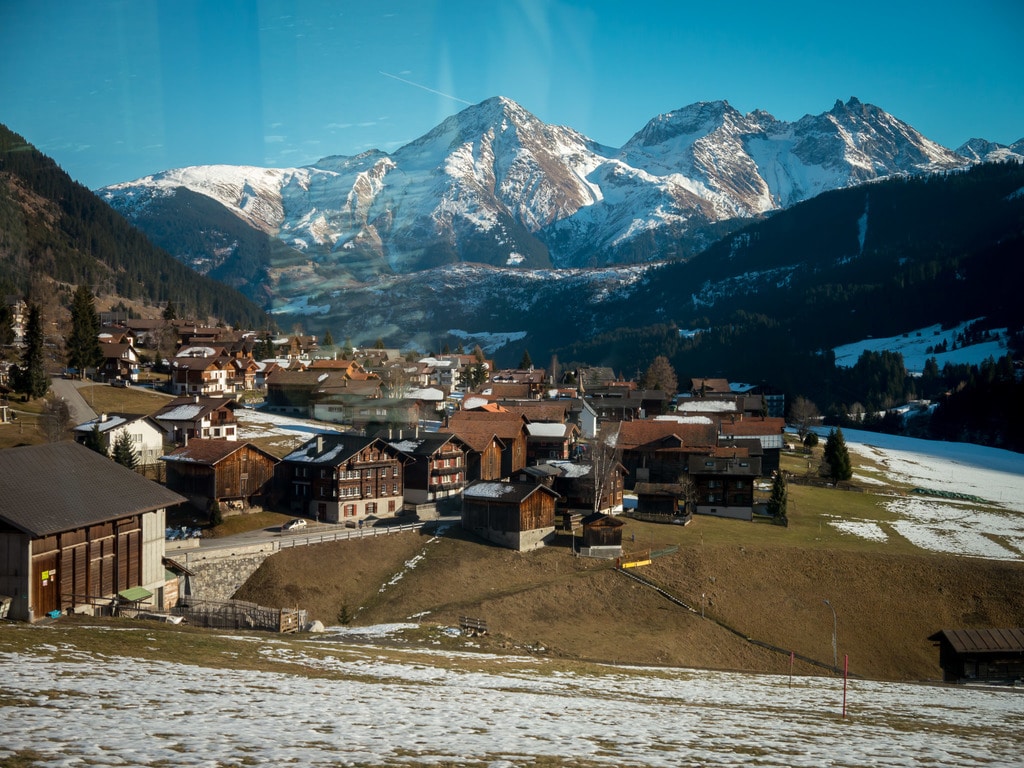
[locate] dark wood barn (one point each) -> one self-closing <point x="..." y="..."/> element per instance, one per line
<point x="76" y="529"/>
<point x="219" y="470"/>
<point x="660" y="500"/>
<point x="981" y="655"/>
<point x="604" y="532"/>
<point x="519" y="516"/>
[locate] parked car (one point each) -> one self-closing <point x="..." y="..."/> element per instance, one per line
<point x="294" y="525"/>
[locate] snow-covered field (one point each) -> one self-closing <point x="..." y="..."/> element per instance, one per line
<point x="918" y="345"/>
<point x="349" y="705"/>
<point x="990" y="524"/>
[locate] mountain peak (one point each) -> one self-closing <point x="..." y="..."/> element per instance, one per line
<point x="692" y="122"/>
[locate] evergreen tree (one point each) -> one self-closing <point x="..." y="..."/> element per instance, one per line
<point x="30" y="378"/>
<point x="525" y="363"/>
<point x="379" y="343"/>
<point x="328" y="338"/>
<point x="777" y="501"/>
<point x="6" y="325"/>
<point x="170" y="313"/>
<point x="661" y="375"/>
<point x="836" y="457"/>
<point x="83" y="344"/>
<point x="95" y="441"/>
<point x="124" y="452"/>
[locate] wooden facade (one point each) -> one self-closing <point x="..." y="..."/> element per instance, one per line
<point x="479" y="428"/>
<point x="724" y="483"/>
<point x="601" y="530"/>
<point x="75" y="544"/>
<point x="659" y="451"/>
<point x="86" y="565"/>
<point x="343" y="478"/>
<point x="437" y="468"/>
<point x="519" y="516"/>
<point x="219" y="470"/>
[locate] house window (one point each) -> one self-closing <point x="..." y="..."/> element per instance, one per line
<point x="391" y="506"/>
<point x="369" y="491"/>
<point x="384" y="472"/>
<point x="350" y="510"/>
<point x="394" y="471"/>
<point x="394" y="490"/>
<point x="371" y="507"/>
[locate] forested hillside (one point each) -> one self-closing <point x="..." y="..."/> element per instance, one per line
<point x="54" y="228"/>
<point x="769" y="302"/>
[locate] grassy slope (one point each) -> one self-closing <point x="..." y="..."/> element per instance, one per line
<point x="766" y="582"/>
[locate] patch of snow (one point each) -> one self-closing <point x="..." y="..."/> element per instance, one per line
<point x="861" y="528"/>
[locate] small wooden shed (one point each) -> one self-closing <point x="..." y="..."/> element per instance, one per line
<point x="981" y="655"/>
<point x="602" y="534"/>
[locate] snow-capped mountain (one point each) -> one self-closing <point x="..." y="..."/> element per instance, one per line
<point x="495" y="185"/>
<point x="983" y="151"/>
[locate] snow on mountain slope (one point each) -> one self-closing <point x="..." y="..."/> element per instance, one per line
<point x="495" y="185"/>
<point x="982" y="151"/>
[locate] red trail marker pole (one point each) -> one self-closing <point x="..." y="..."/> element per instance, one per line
<point x="846" y="674"/>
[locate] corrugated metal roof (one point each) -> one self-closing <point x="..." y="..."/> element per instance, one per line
<point x="985" y="640"/>
<point x="56" y="487"/>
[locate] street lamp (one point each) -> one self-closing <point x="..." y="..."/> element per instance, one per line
<point x="835" y="655"/>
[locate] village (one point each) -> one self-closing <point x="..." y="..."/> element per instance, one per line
<point x="522" y="459"/>
<point x="514" y="454"/>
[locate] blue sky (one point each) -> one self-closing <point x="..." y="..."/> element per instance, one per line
<point x="115" y="90"/>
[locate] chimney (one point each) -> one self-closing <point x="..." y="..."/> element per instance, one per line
<point x="103" y="417"/>
<point x="319" y="444"/>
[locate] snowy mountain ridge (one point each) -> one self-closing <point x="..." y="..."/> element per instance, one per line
<point x="495" y="185"/>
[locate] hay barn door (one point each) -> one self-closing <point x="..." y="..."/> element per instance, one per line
<point x="46" y="583"/>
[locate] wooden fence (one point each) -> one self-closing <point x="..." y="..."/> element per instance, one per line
<point x="239" y="614"/>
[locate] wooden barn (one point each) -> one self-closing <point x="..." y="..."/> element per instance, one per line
<point x="658" y="499"/>
<point x="981" y="655"/>
<point x="219" y="470"/>
<point x="602" y="535"/>
<point x="519" y="516"/>
<point x="77" y="530"/>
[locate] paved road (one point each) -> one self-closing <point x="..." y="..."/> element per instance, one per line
<point x="68" y="390"/>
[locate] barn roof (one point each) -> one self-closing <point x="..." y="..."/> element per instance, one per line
<point x="210" y="451"/>
<point x="513" y="493"/>
<point x="975" y="641"/>
<point x="57" y="487"/>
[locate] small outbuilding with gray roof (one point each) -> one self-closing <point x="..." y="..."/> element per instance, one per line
<point x="76" y="529"/>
